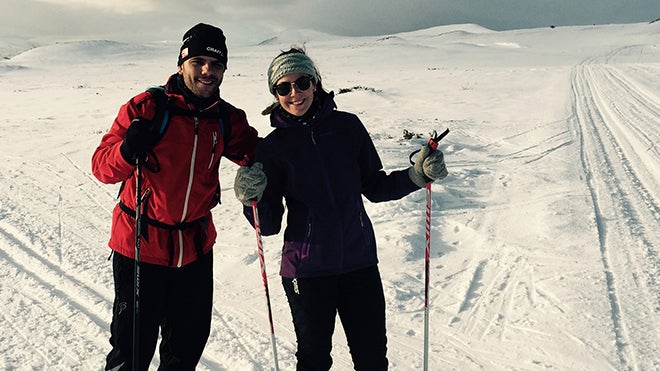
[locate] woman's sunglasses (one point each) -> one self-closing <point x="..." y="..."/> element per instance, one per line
<point x="302" y="84"/>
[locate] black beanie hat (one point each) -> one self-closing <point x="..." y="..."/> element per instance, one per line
<point x="203" y="39"/>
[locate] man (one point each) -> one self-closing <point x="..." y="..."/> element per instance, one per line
<point x="180" y="186"/>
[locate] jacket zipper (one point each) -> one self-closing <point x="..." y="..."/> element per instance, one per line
<point x="311" y="131"/>
<point x="191" y="176"/>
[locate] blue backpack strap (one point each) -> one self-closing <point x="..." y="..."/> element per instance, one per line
<point x="162" y="110"/>
<point x="162" y="114"/>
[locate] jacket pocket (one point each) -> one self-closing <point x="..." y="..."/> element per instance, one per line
<point x="367" y="228"/>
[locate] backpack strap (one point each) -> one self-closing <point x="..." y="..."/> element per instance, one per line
<point x="162" y="107"/>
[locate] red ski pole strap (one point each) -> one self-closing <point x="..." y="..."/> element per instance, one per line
<point x="435" y="139"/>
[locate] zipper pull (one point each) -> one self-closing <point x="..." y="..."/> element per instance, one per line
<point x="295" y="286"/>
<point x="311" y="131"/>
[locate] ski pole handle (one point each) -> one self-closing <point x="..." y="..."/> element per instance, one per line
<point x="435" y="139"/>
<point x="432" y="143"/>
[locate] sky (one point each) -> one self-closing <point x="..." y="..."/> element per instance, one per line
<point x="168" y="19"/>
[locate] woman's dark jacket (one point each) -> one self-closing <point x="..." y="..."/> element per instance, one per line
<point x="321" y="167"/>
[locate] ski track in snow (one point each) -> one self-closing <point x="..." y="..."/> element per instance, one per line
<point x="544" y="236"/>
<point x="60" y="301"/>
<point x="616" y="121"/>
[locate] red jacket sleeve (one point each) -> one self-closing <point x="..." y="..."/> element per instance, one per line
<point x="242" y="140"/>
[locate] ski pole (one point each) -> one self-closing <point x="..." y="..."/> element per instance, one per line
<point x="136" y="271"/>
<point x="260" y="251"/>
<point x="427" y="259"/>
<point x="433" y="145"/>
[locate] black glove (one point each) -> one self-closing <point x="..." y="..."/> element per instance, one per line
<point x="140" y="137"/>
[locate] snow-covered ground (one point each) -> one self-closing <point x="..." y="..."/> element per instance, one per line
<point x="545" y="236"/>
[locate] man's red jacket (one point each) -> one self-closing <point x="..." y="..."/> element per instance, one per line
<point x="183" y="183"/>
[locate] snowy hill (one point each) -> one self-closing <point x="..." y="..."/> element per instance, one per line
<point x="545" y="238"/>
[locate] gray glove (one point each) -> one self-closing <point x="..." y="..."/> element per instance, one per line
<point x="250" y="183"/>
<point x="429" y="166"/>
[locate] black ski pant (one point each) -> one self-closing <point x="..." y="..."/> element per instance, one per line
<point x="178" y="301"/>
<point x="358" y="299"/>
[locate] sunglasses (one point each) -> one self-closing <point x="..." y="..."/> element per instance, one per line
<point x="302" y="84"/>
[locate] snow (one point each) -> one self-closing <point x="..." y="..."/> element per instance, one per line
<point x="544" y="242"/>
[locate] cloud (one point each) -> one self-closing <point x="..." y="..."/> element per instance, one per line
<point x="114" y="6"/>
<point x="142" y="20"/>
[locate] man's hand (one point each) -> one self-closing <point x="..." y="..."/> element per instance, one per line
<point x="140" y="137"/>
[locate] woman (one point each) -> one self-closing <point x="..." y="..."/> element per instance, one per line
<point x="321" y="161"/>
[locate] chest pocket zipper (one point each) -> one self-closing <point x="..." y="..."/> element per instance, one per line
<point x="215" y="143"/>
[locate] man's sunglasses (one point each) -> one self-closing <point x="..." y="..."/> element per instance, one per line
<point x="302" y="84"/>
